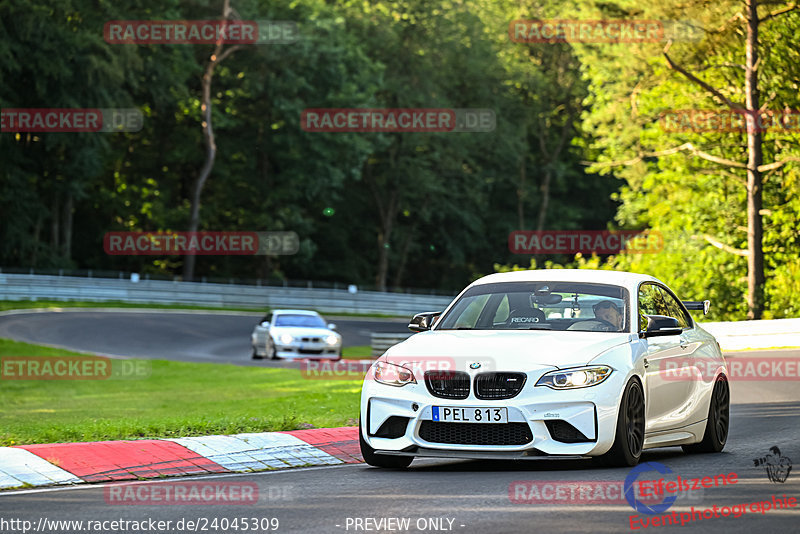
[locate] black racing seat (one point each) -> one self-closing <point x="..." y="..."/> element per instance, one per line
<point x="525" y="316"/>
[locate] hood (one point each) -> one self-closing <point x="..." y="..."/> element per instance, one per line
<point x="504" y="350"/>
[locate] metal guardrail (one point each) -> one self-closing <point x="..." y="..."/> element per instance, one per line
<point x="66" y="288"/>
<point x="762" y="334"/>
<point x="382" y="341"/>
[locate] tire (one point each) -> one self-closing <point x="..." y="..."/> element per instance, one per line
<point x="718" y="423"/>
<point x="274" y="354"/>
<point x="256" y="356"/>
<point x="629" y="434"/>
<point x="381" y="460"/>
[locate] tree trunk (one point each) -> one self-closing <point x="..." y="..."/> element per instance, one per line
<point x="521" y="193"/>
<point x="55" y="227"/>
<point x="548" y="176"/>
<point x="755" y="156"/>
<point x="211" y="146"/>
<point x="401" y="265"/>
<point x="66" y="244"/>
<point x="387" y="225"/>
<point x="37" y="232"/>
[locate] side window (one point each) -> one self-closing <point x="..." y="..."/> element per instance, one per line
<point x="501" y="315"/>
<point x="267" y="318"/>
<point x="651" y="302"/>
<point x="675" y="309"/>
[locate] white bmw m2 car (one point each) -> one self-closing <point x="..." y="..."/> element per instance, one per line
<point x="549" y="364"/>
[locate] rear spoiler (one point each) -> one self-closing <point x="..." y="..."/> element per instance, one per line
<point x="696" y="305"/>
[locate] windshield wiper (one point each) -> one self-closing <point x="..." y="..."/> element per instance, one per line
<point x="541" y="327"/>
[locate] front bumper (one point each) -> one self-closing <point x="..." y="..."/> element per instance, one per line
<point x="315" y="350"/>
<point x="592" y="411"/>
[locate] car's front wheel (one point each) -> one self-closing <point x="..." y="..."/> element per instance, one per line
<point x="629" y="435"/>
<point x="716" y="434"/>
<point x="381" y="460"/>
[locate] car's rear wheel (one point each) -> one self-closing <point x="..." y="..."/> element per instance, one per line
<point x="381" y="460"/>
<point x="629" y="435"/>
<point x="716" y="434"/>
<point x="256" y="356"/>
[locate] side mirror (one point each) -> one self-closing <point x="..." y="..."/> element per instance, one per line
<point x="264" y="323"/>
<point x="331" y="326"/>
<point x="661" y="325"/>
<point x="696" y="305"/>
<point x="423" y="321"/>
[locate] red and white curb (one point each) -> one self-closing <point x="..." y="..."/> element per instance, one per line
<point x="103" y="461"/>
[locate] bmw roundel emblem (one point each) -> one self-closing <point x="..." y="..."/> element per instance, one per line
<point x="475" y="365"/>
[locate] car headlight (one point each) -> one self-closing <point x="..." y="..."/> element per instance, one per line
<point x="393" y="375"/>
<point x="575" y="378"/>
<point x="286" y="339"/>
<point x="332" y="340"/>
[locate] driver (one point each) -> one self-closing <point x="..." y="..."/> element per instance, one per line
<point x="609" y="312"/>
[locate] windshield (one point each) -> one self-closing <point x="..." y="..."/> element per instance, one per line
<point x="311" y="321"/>
<point x="540" y="306"/>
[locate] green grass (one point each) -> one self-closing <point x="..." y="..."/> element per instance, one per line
<point x="359" y="352"/>
<point x="177" y="399"/>
<point x="6" y="305"/>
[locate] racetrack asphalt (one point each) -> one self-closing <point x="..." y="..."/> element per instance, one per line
<point x="167" y="335"/>
<point x="473" y="494"/>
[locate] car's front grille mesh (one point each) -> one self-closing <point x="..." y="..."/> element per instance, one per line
<point x="499" y="385"/>
<point x="476" y="433"/>
<point x="447" y="384"/>
<point x="311" y="339"/>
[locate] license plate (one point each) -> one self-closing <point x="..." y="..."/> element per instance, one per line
<point x="453" y="414"/>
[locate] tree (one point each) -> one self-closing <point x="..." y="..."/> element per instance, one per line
<point x="717" y="56"/>
<point x="216" y="58"/>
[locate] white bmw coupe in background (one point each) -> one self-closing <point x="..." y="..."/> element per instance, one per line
<point x="295" y="334"/>
<point x="549" y="363"/>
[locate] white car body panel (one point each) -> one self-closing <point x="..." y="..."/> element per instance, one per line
<point x="676" y="410"/>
